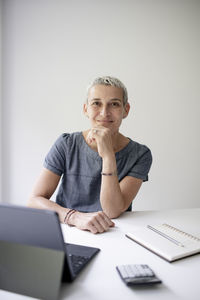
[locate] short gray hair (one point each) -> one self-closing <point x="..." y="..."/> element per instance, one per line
<point x="112" y="81"/>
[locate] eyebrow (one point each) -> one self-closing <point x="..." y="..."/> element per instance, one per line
<point x="112" y="99"/>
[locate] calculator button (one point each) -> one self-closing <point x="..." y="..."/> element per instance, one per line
<point x="123" y="271"/>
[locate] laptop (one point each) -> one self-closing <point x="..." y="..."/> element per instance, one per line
<point x="34" y="259"/>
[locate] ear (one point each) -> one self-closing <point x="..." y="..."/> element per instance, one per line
<point x="126" y="110"/>
<point x="85" y="107"/>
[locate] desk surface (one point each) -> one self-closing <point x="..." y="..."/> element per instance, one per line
<point x="100" y="280"/>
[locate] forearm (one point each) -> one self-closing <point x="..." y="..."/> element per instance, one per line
<point x="111" y="198"/>
<point x="44" y="203"/>
<point x="95" y="222"/>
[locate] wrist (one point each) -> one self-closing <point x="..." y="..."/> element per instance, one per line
<point x="110" y="157"/>
<point x="114" y="173"/>
<point x="73" y="217"/>
<point x="67" y="218"/>
<point x="109" y="167"/>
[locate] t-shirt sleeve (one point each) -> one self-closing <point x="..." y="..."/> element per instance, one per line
<point x="142" y="166"/>
<point x="56" y="158"/>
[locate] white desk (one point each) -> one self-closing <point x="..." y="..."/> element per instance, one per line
<point x="100" y="280"/>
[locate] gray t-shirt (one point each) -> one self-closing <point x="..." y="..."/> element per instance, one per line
<point x="80" y="168"/>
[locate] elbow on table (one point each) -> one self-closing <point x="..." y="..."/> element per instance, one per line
<point x="113" y="214"/>
<point x="30" y="202"/>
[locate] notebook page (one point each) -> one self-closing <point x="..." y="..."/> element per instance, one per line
<point x="161" y="245"/>
<point x="185" y="238"/>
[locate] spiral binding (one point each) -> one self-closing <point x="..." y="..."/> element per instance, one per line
<point x="182" y="232"/>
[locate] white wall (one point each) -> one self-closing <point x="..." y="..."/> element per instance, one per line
<point x="0" y="100"/>
<point x="52" y="49"/>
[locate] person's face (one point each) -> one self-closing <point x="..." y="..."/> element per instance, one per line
<point x="105" y="107"/>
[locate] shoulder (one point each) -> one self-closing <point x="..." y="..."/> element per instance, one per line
<point x="137" y="148"/>
<point x="141" y="148"/>
<point x="138" y="151"/>
<point x="68" y="138"/>
<point x="65" y="143"/>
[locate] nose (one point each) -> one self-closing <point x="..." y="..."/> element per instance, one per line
<point x="104" y="111"/>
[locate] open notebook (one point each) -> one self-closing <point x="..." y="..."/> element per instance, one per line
<point x="166" y="241"/>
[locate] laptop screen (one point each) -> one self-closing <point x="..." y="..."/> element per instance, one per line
<point x="29" y="226"/>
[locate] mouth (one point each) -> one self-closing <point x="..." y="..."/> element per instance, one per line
<point x="104" y="121"/>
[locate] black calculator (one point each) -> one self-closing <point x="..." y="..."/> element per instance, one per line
<point x="137" y="274"/>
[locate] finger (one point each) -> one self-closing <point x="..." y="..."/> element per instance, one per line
<point x="95" y="131"/>
<point x="104" y="221"/>
<point x="93" y="227"/>
<point x="99" y="225"/>
<point x="108" y="220"/>
<point x="90" y="138"/>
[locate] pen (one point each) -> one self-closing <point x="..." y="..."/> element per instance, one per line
<point x="165" y="236"/>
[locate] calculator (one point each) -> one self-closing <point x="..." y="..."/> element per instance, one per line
<point x="137" y="274"/>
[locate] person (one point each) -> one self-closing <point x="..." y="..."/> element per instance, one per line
<point x="100" y="170"/>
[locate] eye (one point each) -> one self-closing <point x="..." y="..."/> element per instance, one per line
<point x="96" y="103"/>
<point x="115" y="104"/>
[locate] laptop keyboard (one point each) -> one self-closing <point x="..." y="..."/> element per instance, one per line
<point x="78" y="262"/>
<point x="77" y="256"/>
